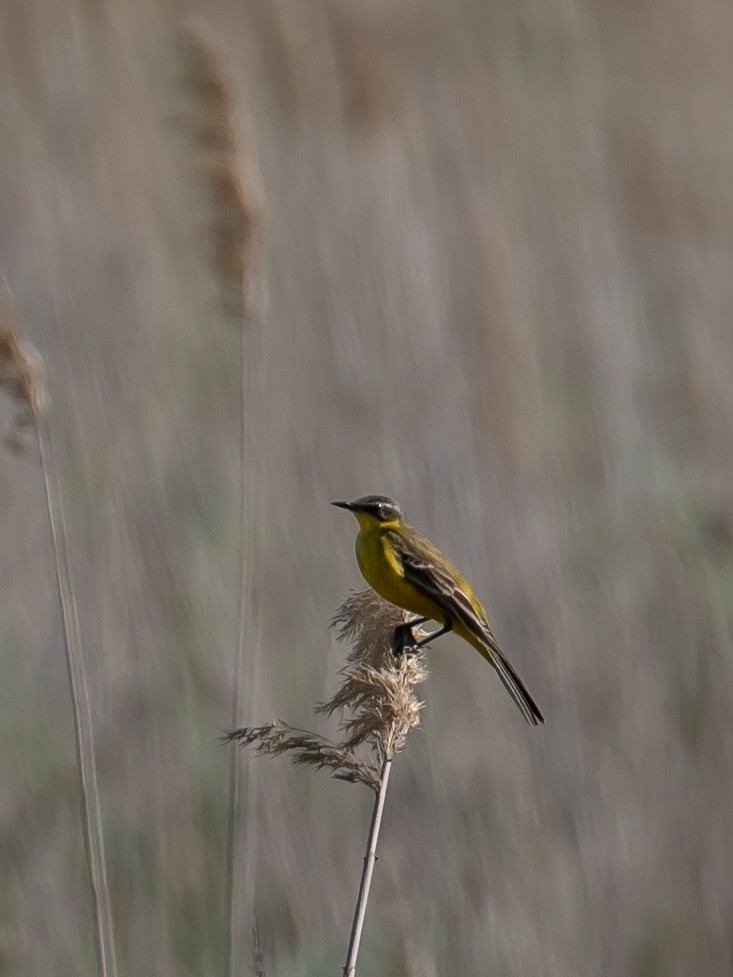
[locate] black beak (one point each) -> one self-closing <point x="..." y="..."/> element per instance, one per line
<point x="344" y="505"/>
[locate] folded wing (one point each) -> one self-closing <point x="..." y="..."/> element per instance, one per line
<point x="435" y="577"/>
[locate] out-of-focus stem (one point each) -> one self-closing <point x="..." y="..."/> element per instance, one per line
<point x="367" y="871"/>
<point x="243" y="619"/>
<point x="84" y="736"/>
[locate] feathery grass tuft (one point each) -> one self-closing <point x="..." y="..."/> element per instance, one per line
<point x="378" y="707"/>
<point x="376" y="696"/>
<point x="307" y="749"/>
<point x="376" y="699"/>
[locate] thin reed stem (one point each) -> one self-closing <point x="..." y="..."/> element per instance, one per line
<point x="242" y="619"/>
<point x="378" y="706"/>
<point x="234" y="234"/>
<point x="367" y="871"/>
<point x="83" y="730"/>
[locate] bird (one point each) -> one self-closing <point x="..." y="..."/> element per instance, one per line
<point x="407" y="570"/>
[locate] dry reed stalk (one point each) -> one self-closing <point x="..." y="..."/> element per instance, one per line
<point x="235" y="195"/>
<point x="234" y="189"/>
<point x="378" y="707"/>
<point x="22" y="373"/>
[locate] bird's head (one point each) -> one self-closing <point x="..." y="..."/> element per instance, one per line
<point x="373" y="510"/>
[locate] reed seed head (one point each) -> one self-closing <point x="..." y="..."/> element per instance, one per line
<point x="22" y="374"/>
<point x="235" y="203"/>
<point x="377" y="695"/>
<point x="306" y="749"/>
<point x="376" y="699"/>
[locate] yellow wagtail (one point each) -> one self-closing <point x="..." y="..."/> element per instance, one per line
<point x="407" y="570"/>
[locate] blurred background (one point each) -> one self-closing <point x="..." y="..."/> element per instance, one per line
<point x="497" y="264"/>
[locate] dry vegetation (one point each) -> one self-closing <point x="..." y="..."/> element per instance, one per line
<point x="498" y="253"/>
<point x="375" y="701"/>
<point x="377" y="706"/>
<point x="234" y="229"/>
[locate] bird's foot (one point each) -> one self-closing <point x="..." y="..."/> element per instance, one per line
<point x="403" y="641"/>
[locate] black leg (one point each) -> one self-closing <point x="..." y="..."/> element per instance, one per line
<point x="404" y="640"/>
<point x="448" y="626"/>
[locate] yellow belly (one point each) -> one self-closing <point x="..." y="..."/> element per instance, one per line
<point x="383" y="573"/>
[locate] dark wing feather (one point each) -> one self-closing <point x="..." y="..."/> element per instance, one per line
<point x="436" y="578"/>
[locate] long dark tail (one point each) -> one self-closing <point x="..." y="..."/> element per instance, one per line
<point x="511" y="681"/>
<point x="517" y="689"/>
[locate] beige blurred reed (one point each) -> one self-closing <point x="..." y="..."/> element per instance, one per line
<point x="234" y="191"/>
<point x="22" y="374"/>
<point x="377" y="706"/>
<point x="234" y="187"/>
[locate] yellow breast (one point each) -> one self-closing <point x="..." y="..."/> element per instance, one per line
<point x="382" y="571"/>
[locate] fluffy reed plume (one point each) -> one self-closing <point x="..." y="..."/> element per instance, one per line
<point x="376" y="700"/>
<point x="22" y="373"/>
<point x="378" y="707"/>
<point x="377" y="695"/>
<point x="308" y="750"/>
